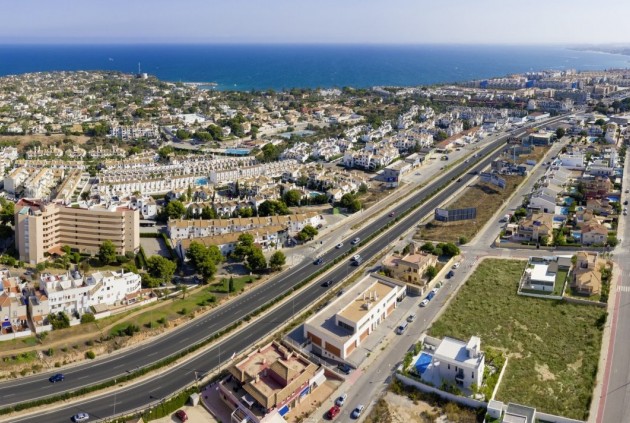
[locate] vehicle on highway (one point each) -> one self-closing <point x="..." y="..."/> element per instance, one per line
<point x="327" y="283"/>
<point x="341" y="400"/>
<point x="459" y="179"/>
<point x="456" y="265"/>
<point x="181" y="415"/>
<point x="411" y="317"/>
<point x="392" y="214"/>
<point x="319" y="261"/>
<point x="356" y="241"/>
<point x="424" y="303"/>
<point x="357" y="411"/>
<point x="401" y="329"/>
<point x="450" y="274"/>
<point x="80" y="417"/>
<point x="356" y="257"/>
<point x="334" y="410"/>
<point x="339" y="245"/>
<point x="357" y="261"/>
<point x="59" y="377"/>
<point x="344" y="368"/>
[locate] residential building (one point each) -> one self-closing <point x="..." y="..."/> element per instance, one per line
<point x="66" y="293"/>
<point x="541" y="273"/>
<point x="535" y="227"/>
<point x="264" y="386"/>
<point x="410" y="267"/>
<point x="587" y="278"/>
<point x="42" y="228"/>
<point x="341" y="327"/>
<point x="455" y="362"/>
<point x="13" y="310"/>
<point x="112" y="288"/>
<point x="594" y="232"/>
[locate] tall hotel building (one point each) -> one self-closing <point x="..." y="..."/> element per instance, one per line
<point x="42" y="228"/>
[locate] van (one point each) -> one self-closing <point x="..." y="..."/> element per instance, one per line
<point x="411" y="317"/>
<point x="402" y="328"/>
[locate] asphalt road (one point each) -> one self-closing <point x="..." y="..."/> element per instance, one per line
<point x="167" y="382"/>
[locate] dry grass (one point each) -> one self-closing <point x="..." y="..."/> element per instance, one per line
<point x="44" y="139"/>
<point x="487" y="198"/>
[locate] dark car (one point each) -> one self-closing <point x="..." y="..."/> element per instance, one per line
<point x="59" y="377"/>
<point x="625" y="203"/>
<point x="450" y="274"/>
<point x="345" y="368"/>
<point x="319" y="261"/>
<point x="430" y="295"/>
<point x="392" y="214"/>
<point x="181" y="415"/>
<point x="327" y="283"/>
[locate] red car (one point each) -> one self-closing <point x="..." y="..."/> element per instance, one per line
<point x="334" y="410"/>
<point x="181" y="415"/>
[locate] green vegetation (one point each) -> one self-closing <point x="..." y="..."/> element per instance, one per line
<point x="553" y="346"/>
<point x="277" y="260"/>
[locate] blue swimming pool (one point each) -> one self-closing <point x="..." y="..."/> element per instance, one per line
<point x="423" y="362"/>
<point x="613" y="198"/>
<point x="577" y="235"/>
<point x="562" y="210"/>
<point x="202" y="181"/>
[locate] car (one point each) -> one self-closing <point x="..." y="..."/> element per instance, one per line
<point x="356" y="257"/>
<point x="356" y="241"/>
<point x="357" y="411"/>
<point x="181" y="415"/>
<point x="341" y="400"/>
<point x="59" y="377"/>
<point x="424" y="303"/>
<point x="341" y="292"/>
<point x="450" y="274"/>
<point x="411" y="317"/>
<point x="459" y="179"/>
<point x="339" y="245"/>
<point x="392" y="214"/>
<point x="625" y="203"/>
<point x="80" y="417"/>
<point x="329" y="282"/>
<point x="319" y="261"/>
<point x="627" y="191"/>
<point x="625" y="213"/>
<point x="334" y="410"/>
<point x="430" y="296"/>
<point x="357" y="262"/>
<point x="344" y="368"/>
<point x="456" y="265"/>
<point x="417" y="173"/>
<point x="435" y="290"/>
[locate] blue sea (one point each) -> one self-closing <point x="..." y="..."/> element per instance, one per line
<point x="258" y="67"/>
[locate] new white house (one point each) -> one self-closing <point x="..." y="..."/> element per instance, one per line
<point x="455" y="362"/>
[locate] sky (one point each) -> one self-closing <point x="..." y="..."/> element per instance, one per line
<point x="315" y="21"/>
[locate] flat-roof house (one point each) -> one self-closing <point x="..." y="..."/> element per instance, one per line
<point x="456" y="362"/>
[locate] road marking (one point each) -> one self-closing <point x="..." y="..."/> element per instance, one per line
<point x="623" y="288"/>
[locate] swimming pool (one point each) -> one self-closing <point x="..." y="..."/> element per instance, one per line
<point x="562" y="210"/>
<point x="423" y="362"/>
<point x="577" y="235"/>
<point x="202" y="181"/>
<point x="568" y="200"/>
<point x="614" y="198"/>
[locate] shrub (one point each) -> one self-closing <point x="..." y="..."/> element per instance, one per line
<point x="90" y="355"/>
<point x="88" y="318"/>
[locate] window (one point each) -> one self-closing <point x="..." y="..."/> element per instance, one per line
<point x="473" y="375"/>
<point x="449" y="367"/>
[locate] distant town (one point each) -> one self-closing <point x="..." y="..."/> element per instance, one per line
<point x="123" y="195"/>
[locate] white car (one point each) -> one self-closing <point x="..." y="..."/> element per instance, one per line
<point x="340" y="401"/>
<point x="356" y="241"/>
<point x="435" y="290"/>
<point x="356" y="257"/>
<point x="80" y="417"/>
<point x="424" y="303"/>
<point x="339" y="245"/>
<point x="456" y="265"/>
<point x="357" y="411"/>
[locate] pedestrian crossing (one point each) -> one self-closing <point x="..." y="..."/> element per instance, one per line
<point x="623" y="288"/>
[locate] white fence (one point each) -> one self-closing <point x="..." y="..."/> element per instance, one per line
<point x="469" y="402"/>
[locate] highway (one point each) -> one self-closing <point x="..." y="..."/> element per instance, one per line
<point x="168" y="381"/>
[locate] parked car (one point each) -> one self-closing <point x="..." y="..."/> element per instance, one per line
<point x="181" y="415"/>
<point x="357" y="411"/>
<point x="430" y="296"/>
<point x="339" y="245"/>
<point x="59" y="377"/>
<point x="456" y="265"/>
<point x="411" y="317"/>
<point x="341" y="400"/>
<point x="319" y="261"/>
<point x="345" y="368"/>
<point x="334" y="410"/>
<point x="340" y="293"/>
<point x="435" y="290"/>
<point x="424" y="303"/>
<point x="356" y="241"/>
<point x="327" y="283"/>
<point x="450" y="274"/>
<point x="80" y="417"/>
<point x="625" y="203"/>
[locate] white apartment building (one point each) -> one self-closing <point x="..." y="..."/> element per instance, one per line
<point x="112" y="288"/>
<point x="66" y="293"/>
<point x="14" y="181"/>
<point x="271" y="170"/>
